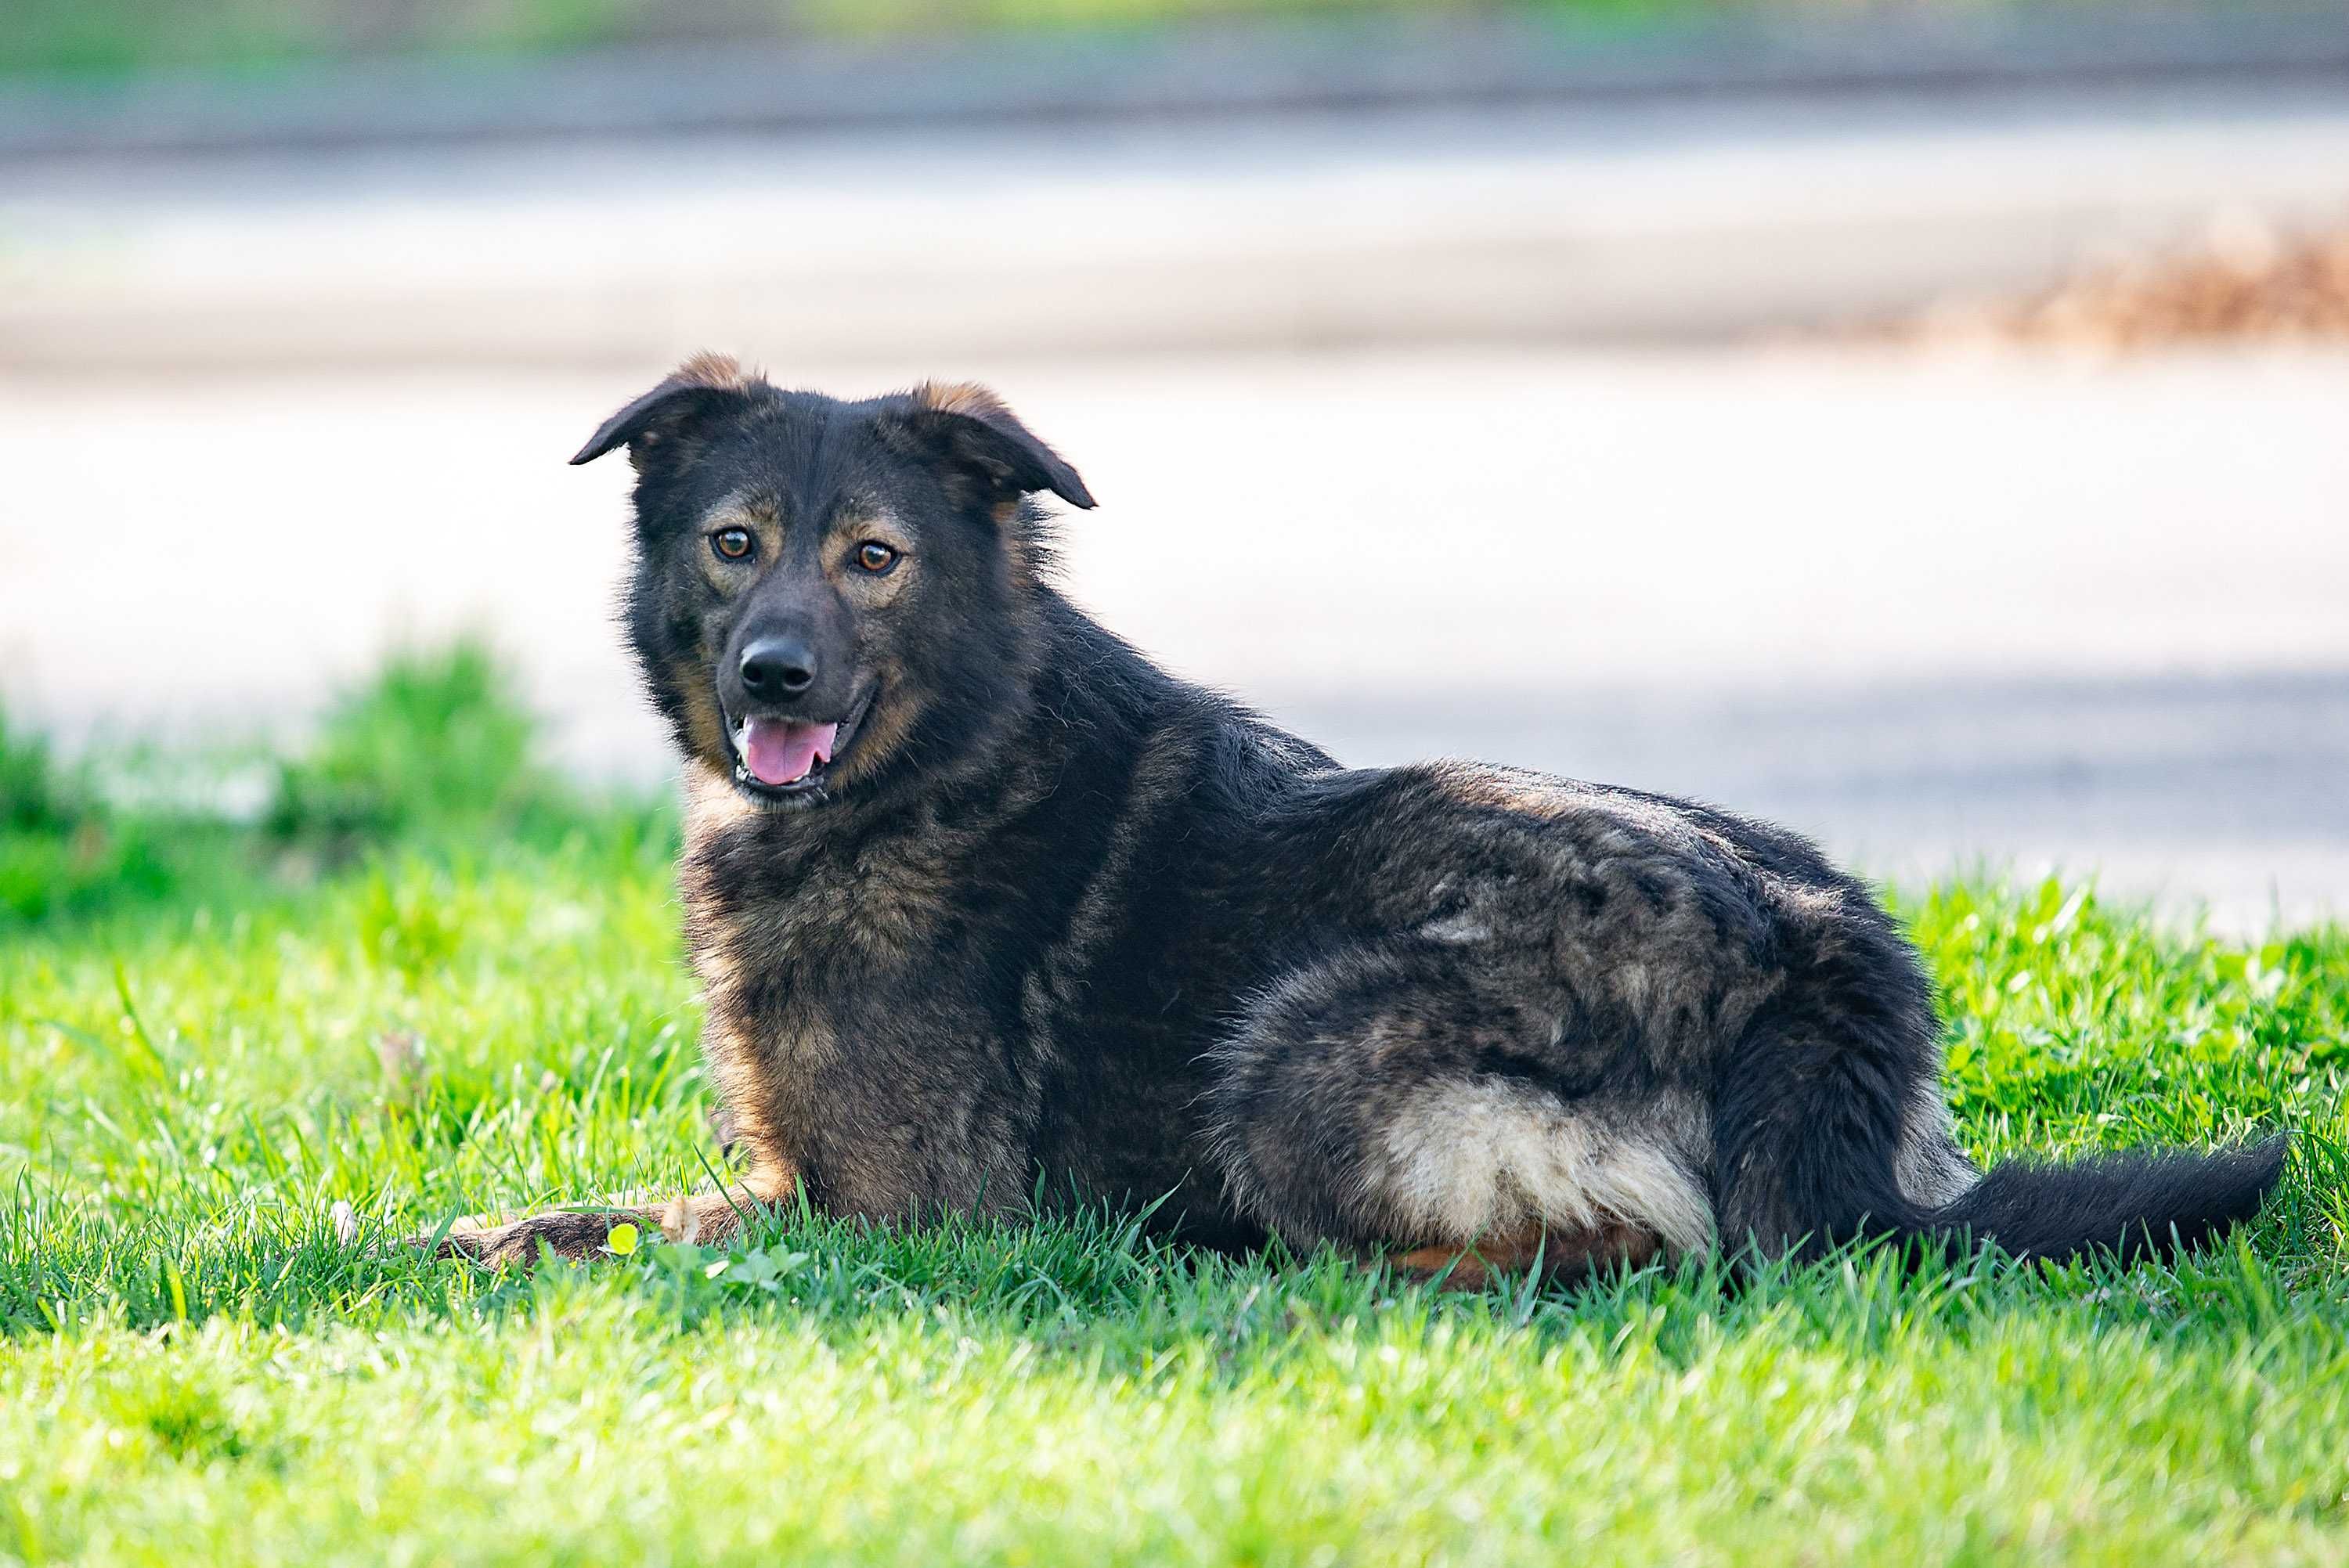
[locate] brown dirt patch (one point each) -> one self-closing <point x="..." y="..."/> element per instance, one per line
<point x="2242" y="281"/>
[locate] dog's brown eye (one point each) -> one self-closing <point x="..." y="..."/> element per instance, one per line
<point x="875" y="557"/>
<point x="733" y="544"/>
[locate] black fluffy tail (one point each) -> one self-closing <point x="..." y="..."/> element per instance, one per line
<point x="2137" y="1205"/>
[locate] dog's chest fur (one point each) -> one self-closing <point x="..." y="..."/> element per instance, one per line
<point x="918" y="1019"/>
<point x="831" y="1010"/>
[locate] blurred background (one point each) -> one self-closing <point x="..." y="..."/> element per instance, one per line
<point x="1926" y="424"/>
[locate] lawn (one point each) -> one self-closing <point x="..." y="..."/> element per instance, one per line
<point x="423" y="979"/>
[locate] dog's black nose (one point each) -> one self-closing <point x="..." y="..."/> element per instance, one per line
<point x="778" y="667"/>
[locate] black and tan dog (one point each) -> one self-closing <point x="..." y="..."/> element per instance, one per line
<point x="986" y="905"/>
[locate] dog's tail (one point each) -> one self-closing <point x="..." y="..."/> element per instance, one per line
<point x="2137" y="1204"/>
<point x="1833" y="1131"/>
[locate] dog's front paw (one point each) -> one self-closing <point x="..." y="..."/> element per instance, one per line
<point x="577" y="1236"/>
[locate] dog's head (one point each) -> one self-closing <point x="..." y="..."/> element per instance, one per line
<point x="829" y="594"/>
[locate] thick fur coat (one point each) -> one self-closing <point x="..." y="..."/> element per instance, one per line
<point x="989" y="910"/>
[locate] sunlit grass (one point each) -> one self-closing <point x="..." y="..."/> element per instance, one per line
<point x="419" y="1019"/>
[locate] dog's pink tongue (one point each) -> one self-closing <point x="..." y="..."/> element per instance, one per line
<point x="781" y="752"/>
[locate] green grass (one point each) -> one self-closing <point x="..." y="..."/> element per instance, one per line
<point x="422" y="1008"/>
<point x="110" y="37"/>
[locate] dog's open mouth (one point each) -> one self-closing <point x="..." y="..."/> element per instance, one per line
<point x="783" y="759"/>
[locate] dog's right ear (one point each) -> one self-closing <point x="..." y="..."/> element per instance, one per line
<point x="704" y="386"/>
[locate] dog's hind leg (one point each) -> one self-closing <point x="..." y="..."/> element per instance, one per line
<point x="1564" y="1254"/>
<point x="1406" y="1102"/>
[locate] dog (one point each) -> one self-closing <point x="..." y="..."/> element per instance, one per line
<point x="988" y="909"/>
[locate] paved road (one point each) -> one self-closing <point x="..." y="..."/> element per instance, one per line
<point x="1671" y="221"/>
<point x="2027" y="610"/>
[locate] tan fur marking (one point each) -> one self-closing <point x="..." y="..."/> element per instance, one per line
<point x="1561" y="1255"/>
<point x="965" y="397"/>
<point x="1504" y="789"/>
<point x="1479" y="1158"/>
<point x="760" y="1062"/>
<point x="710" y="802"/>
<point x="885" y="727"/>
<point x="761" y="517"/>
<point x="1929" y="1167"/>
<point x="1459" y="1270"/>
<point x="704" y="1219"/>
<point x="853" y="526"/>
<point x="722" y="372"/>
<point x="748" y="509"/>
<point x="704" y="728"/>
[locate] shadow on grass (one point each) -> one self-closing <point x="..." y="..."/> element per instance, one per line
<point x="1098" y="1285"/>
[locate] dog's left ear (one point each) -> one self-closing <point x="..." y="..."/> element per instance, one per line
<point x="968" y="427"/>
<point x="704" y="386"/>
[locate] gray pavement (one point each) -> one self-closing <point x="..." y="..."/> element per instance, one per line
<point x="1940" y="610"/>
<point x="1681" y="220"/>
